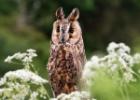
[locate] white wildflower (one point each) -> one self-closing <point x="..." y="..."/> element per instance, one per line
<point x="114" y="67"/>
<point x="89" y="64"/>
<point x="26" y="58"/>
<point x="128" y="59"/>
<point x="2" y="81"/>
<point x="31" y="50"/>
<point x="88" y="73"/>
<point x="5" y="89"/>
<point x="95" y="60"/>
<point x="120" y="48"/>
<point x="31" y="53"/>
<point x="137" y="58"/>
<point x="1" y="91"/>
<point x="122" y="62"/>
<point x="63" y="96"/>
<point x="89" y="67"/>
<point x="23" y="90"/>
<point x="19" y="55"/>
<point x="128" y="77"/>
<point x="34" y="96"/>
<point x="112" y="46"/>
<point x="118" y="59"/>
<point x="8" y="59"/>
<point x="53" y="99"/>
<point x="77" y="95"/>
<point x="25" y="76"/>
<point x="17" y="85"/>
<point x="124" y="48"/>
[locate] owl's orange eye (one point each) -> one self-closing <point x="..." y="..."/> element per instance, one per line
<point x="58" y="29"/>
<point x="71" y="30"/>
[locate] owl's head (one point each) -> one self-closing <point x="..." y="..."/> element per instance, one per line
<point x="66" y="30"/>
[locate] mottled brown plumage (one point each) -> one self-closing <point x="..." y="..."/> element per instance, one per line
<point x="67" y="56"/>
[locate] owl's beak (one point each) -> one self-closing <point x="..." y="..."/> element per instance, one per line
<point x="62" y="38"/>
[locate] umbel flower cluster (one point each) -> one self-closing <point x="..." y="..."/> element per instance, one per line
<point x="26" y="58"/>
<point x="118" y="61"/>
<point x="77" y="95"/>
<point x="22" y="84"/>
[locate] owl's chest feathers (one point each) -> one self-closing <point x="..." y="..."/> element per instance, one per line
<point x="63" y="58"/>
<point x="63" y="65"/>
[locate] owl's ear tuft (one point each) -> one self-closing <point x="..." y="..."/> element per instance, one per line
<point x="60" y="13"/>
<point x="74" y="15"/>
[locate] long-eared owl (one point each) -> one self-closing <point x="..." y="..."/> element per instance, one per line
<point x="67" y="54"/>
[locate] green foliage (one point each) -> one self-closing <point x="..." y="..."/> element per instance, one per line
<point x="7" y="6"/>
<point x="107" y="88"/>
<point x="26" y="39"/>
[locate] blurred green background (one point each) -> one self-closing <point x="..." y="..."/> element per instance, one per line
<point x="28" y="24"/>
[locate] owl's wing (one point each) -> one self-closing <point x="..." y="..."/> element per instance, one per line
<point x="81" y="52"/>
<point x="83" y="57"/>
<point x="79" y="57"/>
<point x="52" y="58"/>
